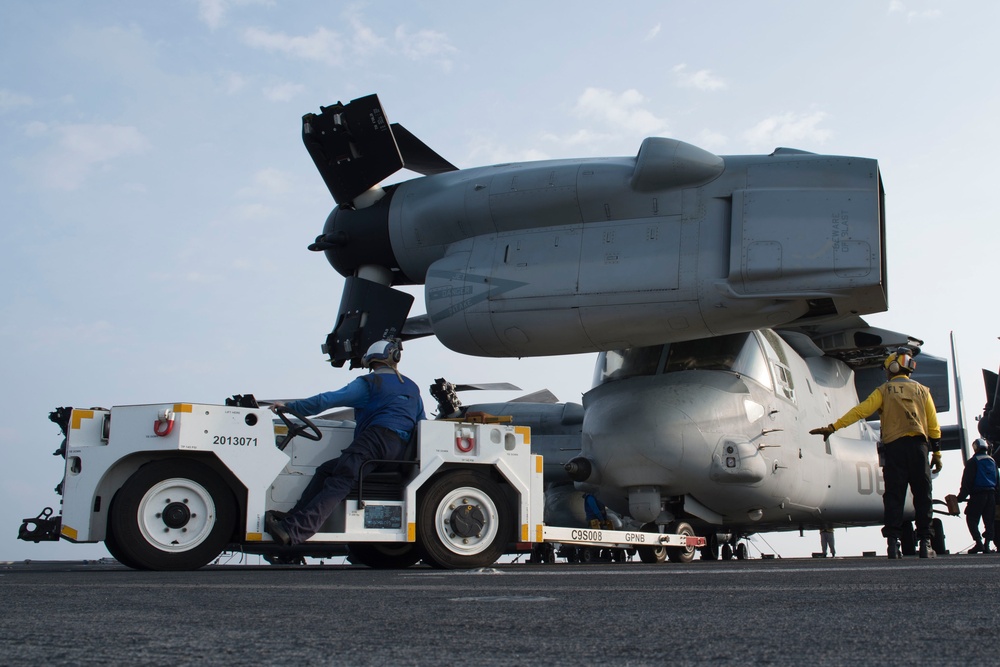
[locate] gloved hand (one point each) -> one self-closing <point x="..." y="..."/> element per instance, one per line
<point x="936" y="462"/>
<point x="824" y="431"/>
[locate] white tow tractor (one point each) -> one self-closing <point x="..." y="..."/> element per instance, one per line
<point x="171" y="486"/>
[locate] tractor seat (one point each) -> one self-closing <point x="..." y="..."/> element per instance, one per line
<point x="384" y="479"/>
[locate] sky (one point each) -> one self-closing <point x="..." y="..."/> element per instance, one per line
<point x="156" y="198"/>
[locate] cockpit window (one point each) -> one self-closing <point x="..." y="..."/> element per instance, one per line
<point x="739" y="353"/>
<point x="620" y="364"/>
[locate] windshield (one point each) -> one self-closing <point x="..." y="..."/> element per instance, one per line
<point x="740" y="353"/>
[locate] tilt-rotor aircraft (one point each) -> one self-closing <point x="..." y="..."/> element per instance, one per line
<point x="724" y="296"/>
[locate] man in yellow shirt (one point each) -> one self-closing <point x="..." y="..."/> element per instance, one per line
<point x="909" y="430"/>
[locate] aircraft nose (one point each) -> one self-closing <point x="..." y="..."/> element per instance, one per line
<point x="638" y="438"/>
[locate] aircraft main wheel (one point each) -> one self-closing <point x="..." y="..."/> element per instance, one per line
<point x="711" y="549"/>
<point x="937" y="541"/>
<point x="741" y="551"/>
<point x="657" y="554"/>
<point x="681" y="554"/>
<point x="463" y="521"/>
<point x="727" y="551"/>
<point x="908" y="539"/>
<point x="172" y="515"/>
<point x="384" y="555"/>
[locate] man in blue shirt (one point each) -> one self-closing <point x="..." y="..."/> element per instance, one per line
<point x="387" y="407"/>
<point x="979" y="485"/>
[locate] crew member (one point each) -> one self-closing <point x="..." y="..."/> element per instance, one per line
<point x="979" y="486"/>
<point x="387" y="407"/>
<point x="826" y="542"/>
<point x="909" y="429"/>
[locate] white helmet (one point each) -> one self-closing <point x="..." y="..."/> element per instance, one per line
<point x="980" y="444"/>
<point x="382" y="351"/>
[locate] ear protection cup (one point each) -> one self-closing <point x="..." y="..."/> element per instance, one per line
<point x="900" y="361"/>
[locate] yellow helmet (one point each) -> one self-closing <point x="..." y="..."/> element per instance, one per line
<point x="900" y="361"/>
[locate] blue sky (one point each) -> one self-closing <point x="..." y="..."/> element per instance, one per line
<point x="157" y="200"/>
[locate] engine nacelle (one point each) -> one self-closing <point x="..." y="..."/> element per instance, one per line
<point x="569" y="256"/>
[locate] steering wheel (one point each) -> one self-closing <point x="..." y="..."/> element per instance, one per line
<point x="306" y="429"/>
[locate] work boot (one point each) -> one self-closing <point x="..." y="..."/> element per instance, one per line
<point x="926" y="551"/>
<point x="894" y="552"/>
<point x="273" y="526"/>
<point x="976" y="548"/>
<point x="986" y="548"/>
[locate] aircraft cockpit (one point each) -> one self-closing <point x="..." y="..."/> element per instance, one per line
<point x="739" y="353"/>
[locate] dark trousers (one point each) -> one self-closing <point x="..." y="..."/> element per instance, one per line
<point x="906" y="465"/>
<point x="981" y="506"/>
<point x="333" y="481"/>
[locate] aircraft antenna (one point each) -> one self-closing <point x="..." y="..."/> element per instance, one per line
<point x="960" y="403"/>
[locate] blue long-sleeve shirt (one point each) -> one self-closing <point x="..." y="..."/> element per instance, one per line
<point x="379" y="399"/>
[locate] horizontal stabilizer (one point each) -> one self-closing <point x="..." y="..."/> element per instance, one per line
<point x="488" y="386"/>
<point x="540" y="396"/>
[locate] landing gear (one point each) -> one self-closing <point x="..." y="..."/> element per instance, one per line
<point x="542" y="553"/>
<point x="735" y="548"/>
<point x="711" y="549"/>
<point x="657" y="554"/>
<point x="937" y="537"/>
<point x="681" y="554"/>
<point x="908" y="540"/>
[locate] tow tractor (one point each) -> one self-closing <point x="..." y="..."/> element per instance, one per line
<point x="172" y="486"/>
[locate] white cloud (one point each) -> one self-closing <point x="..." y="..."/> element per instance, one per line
<point x="11" y="100"/>
<point x="283" y="92"/>
<point x="653" y="32"/>
<point x="269" y="181"/>
<point x="213" y="12"/>
<point x="898" y="7"/>
<point x="484" y="150"/>
<point x="425" y="44"/>
<point x="322" y="45"/>
<point x="622" y="111"/>
<point x="703" y="79"/>
<point x="233" y="83"/>
<point x="711" y="140"/>
<point x="363" y="39"/>
<point x="790" y="130"/>
<point x="81" y="149"/>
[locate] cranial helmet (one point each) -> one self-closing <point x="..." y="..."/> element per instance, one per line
<point x="382" y="351"/>
<point x="900" y="361"/>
